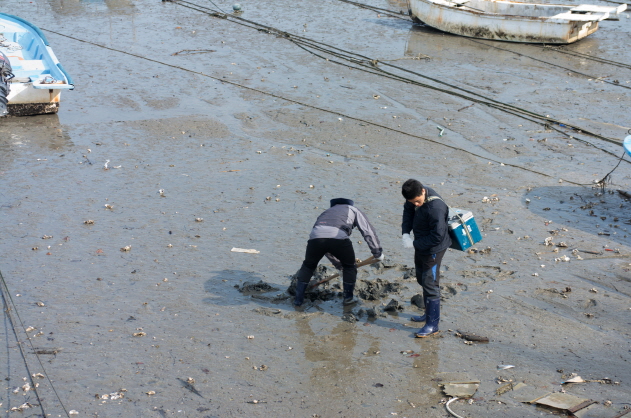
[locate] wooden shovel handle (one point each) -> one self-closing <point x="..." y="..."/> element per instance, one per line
<point x="367" y="261"/>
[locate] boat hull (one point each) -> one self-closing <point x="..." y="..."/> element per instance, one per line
<point x="24" y="100"/>
<point x="450" y="18"/>
<point x="38" y="78"/>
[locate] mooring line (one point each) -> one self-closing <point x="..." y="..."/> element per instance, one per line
<point x="549" y="47"/>
<point x="613" y="83"/>
<point x="316" y="107"/>
<point x="364" y="61"/>
<point x="8" y="307"/>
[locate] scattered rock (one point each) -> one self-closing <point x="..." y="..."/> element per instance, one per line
<point x="349" y="317"/>
<point x="418" y="301"/>
<point x="393" y="306"/>
<point x="376" y="289"/>
<point x="257" y="287"/>
<point x="409" y="274"/>
<point x="323" y="292"/>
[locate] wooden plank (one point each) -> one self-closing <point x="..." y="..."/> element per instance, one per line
<point x="581" y="406"/>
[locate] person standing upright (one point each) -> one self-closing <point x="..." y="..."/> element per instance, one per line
<point x="427" y="215"/>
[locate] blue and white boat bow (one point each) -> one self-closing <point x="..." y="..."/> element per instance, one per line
<point x="39" y="77"/>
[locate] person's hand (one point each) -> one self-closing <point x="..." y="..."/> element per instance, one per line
<point x="407" y="241"/>
<point x="380" y="258"/>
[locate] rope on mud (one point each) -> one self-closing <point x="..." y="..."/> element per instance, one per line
<point x="9" y="305"/>
<point x="276" y="96"/>
<point x="588" y="56"/>
<point x="613" y="83"/>
<point x="394" y="77"/>
<point x="370" y="66"/>
<point x="549" y="47"/>
<point x="390" y="13"/>
<point x="607" y="178"/>
<point x="365" y="61"/>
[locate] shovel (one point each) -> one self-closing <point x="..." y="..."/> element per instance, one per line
<point x="369" y="260"/>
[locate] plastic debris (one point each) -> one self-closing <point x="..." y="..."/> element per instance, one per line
<point x="243" y="250"/>
<point x="508" y="387"/>
<point x="575" y="379"/>
<point x="561" y="400"/>
<point x="22" y="407"/>
<point x="461" y="389"/>
<point x="449" y="410"/>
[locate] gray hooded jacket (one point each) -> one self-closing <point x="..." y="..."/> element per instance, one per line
<point x="338" y="222"/>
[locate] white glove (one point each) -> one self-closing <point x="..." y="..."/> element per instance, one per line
<point x="407" y="241"/>
<point x="380" y="258"/>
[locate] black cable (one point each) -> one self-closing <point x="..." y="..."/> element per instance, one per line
<point x="8" y="307"/>
<point x="391" y="13"/>
<point x="314" y="107"/>
<point x="613" y="83"/>
<point x="544" y="120"/>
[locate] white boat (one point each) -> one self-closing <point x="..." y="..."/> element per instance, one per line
<point x="37" y="77"/>
<point x="513" y="21"/>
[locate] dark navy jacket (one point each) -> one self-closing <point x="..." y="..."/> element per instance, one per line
<point x="429" y="223"/>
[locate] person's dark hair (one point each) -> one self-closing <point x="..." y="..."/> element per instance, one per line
<point x="411" y="189"/>
<point x="342" y="201"/>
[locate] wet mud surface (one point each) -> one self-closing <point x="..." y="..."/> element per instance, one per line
<point x="119" y="214"/>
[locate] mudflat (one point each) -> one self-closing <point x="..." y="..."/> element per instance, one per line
<point x="190" y="134"/>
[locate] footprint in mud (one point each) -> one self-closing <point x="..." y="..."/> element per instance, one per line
<point x="449" y="290"/>
<point x="488" y="272"/>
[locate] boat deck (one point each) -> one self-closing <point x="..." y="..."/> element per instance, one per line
<point x="30" y="58"/>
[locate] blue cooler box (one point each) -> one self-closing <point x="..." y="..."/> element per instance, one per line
<point x="460" y="240"/>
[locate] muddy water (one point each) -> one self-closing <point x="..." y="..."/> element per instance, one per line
<point x="238" y="168"/>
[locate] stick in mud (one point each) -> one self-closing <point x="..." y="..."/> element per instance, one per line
<point x="369" y="260"/>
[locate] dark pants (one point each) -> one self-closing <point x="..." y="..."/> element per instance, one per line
<point x="342" y="249"/>
<point x="428" y="273"/>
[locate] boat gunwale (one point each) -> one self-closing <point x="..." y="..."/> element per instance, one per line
<point x="455" y="7"/>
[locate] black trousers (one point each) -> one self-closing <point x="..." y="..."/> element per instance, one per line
<point x="342" y="249"/>
<point x="428" y="273"/>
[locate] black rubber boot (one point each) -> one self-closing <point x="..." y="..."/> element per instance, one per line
<point x="301" y="287"/>
<point x="420" y="318"/>
<point x="348" y="294"/>
<point x="432" y="308"/>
